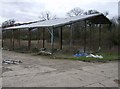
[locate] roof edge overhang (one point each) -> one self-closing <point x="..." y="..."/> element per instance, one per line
<point x="95" y="19"/>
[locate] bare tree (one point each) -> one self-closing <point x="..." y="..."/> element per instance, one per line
<point x="75" y="12"/>
<point x="47" y="16"/>
<point x="119" y="20"/>
<point x="115" y="20"/>
<point x="89" y="12"/>
<point x="8" y="23"/>
<point x="106" y="13"/>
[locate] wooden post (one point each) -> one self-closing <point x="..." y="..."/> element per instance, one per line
<point x="109" y="28"/>
<point x="60" y="36"/>
<point x="29" y="39"/>
<point x="43" y="37"/>
<point x="71" y="36"/>
<point x="85" y="37"/>
<point x="93" y="30"/>
<point x="99" y="36"/>
<point x="38" y="35"/>
<point x="19" y="36"/>
<point x="13" y="39"/>
<point x="90" y="35"/>
<point x="110" y="31"/>
<point x="2" y="38"/>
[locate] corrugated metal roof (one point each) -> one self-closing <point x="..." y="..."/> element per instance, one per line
<point x="55" y="22"/>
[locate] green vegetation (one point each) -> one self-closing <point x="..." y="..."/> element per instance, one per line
<point x="106" y="57"/>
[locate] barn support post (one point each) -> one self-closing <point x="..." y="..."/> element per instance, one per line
<point x="92" y="38"/>
<point x="2" y="38"/>
<point x="13" y="39"/>
<point x="71" y="36"/>
<point x="110" y="31"/>
<point x="90" y="35"/>
<point x="85" y="36"/>
<point x="19" y="36"/>
<point x="38" y="36"/>
<point x="99" y="37"/>
<point x="29" y="38"/>
<point x="43" y="37"/>
<point x="60" y="36"/>
<point x="110" y="27"/>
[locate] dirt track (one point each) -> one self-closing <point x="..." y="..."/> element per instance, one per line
<point x="37" y="71"/>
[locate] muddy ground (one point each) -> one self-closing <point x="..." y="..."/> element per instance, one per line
<point x="39" y="71"/>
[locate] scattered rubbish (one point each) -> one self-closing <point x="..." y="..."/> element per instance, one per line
<point x="80" y="54"/>
<point x="11" y="61"/>
<point x="44" y="53"/>
<point x="94" y="56"/>
<point x="42" y="49"/>
<point x="117" y="81"/>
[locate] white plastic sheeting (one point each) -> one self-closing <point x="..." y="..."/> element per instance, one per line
<point x="95" y="56"/>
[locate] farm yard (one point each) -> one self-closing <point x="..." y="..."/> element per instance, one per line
<point x="41" y="71"/>
<point x="80" y="50"/>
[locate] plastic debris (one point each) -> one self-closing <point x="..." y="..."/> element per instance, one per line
<point x="80" y="54"/>
<point x="44" y="53"/>
<point x="11" y="61"/>
<point x="95" y="56"/>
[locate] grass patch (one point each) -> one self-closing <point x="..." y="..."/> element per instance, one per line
<point x="106" y="57"/>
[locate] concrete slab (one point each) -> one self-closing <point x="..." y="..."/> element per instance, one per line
<point x="0" y="83"/>
<point x="109" y="83"/>
<point x="18" y="70"/>
<point x="38" y="72"/>
<point x="106" y="69"/>
<point x="95" y="84"/>
<point x="73" y="78"/>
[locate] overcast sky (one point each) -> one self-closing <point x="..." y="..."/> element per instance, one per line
<point x="29" y="10"/>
